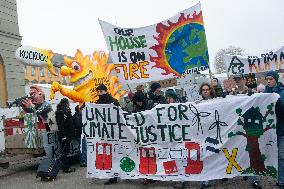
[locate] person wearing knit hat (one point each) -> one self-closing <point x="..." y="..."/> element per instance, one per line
<point x="272" y="78"/>
<point x="171" y="96"/>
<point x="140" y="99"/>
<point x="155" y="96"/>
<point x="101" y="87"/>
<point x="104" y="96"/>
<point x="274" y="86"/>
<point x="154" y="87"/>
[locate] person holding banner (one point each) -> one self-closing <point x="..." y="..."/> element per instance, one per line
<point x="241" y="87"/>
<point x="217" y="87"/>
<point x="171" y="96"/>
<point x="155" y="96"/>
<point x="274" y="86"/>
<point x="106" y="98"/>
<point x="206" y="91"/>
<point x="139" y="99"/>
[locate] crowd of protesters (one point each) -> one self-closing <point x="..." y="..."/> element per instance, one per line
<point x="70" y="127"/>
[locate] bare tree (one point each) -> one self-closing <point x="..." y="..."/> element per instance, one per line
<point x="219" y="58"/>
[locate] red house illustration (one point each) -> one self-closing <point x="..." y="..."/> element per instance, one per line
<point x="103" y="156"/>
<point x="148" y="163"/>
<point x="193" y="166"/>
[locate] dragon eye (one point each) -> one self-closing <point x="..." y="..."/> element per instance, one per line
<point x="75" y="66"/>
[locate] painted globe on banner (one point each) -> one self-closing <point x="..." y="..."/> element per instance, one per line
<point x="187" y="48"/>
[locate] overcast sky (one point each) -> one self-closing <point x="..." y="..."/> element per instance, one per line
<point x="64" y="26"/>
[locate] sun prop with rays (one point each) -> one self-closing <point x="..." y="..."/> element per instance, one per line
<point x="181" y="45"/>
<point x="86" y="75"/>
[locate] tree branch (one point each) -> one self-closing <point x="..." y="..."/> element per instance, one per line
<point x="267" y="128"/>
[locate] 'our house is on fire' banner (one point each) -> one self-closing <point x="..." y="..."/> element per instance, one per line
<point x="273" y="60"/>
<point x="184" y="141"/>
<point x="174" y="47"/>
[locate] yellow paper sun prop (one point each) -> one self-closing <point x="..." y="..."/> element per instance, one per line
<point x="86" y="75"/>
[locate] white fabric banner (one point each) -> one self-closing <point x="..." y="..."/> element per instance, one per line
<point x="273" y="60"/>
<point x="52" y="146"/>
<point x="220" y="138"/>
<point x="174" y="47"/>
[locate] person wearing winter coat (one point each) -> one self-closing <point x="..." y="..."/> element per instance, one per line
<point x="104" y="96"/>
<point x="155" y="96"/>
<point x="274" y="86"/>
<point x="66" y="130"/>
<point x="140" y="99"/>
<point x="217" y="87"/>
<point x="77" y="118"/>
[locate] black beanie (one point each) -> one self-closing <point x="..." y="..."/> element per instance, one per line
<point x="101" y="87"/>
<point x="273" y="74"/>
<point x="154" y="86"/>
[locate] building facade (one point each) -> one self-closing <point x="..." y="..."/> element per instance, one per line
<point x="11" y="72"/>
<point x="43" y="76"/>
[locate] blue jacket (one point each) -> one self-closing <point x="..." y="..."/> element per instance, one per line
<point x="279" y="108"/>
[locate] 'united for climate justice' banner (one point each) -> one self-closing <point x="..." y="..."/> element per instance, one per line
<point x="170" y="48"/>
<point x="273" y="60"/>
<point x="210" y="140"/>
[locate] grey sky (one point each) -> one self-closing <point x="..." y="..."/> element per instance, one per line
<point x="64" y="26"/>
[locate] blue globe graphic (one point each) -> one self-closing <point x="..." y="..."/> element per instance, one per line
<point x="187" y="48"/>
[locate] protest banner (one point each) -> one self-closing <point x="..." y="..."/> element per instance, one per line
<point x="52" y="146"/>
<point x="272" y="60"/>
<point x="171" y="48"/>
<point x="214" y="139"/>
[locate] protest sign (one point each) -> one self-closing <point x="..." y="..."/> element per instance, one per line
<point x="192" y="92"/>
<point x="214" y="139"/>
<point x="52" y="146"/>
<point x="174" y="47"/>
<point x="272" y="60"/>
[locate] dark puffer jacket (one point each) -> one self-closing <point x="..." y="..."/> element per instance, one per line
<point x="153" y="100"/>
<point x="65" y="123"/>
<point x="140" y="101"/>
<point x="107" y="99"/>
<point x="279" y="109"/>
<point x="78" y="125"/>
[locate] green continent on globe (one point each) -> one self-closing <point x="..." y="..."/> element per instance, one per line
<point x="197" y="49"/>
<point x="127" y="164"/>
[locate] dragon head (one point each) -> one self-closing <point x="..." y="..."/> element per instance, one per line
<point x="80" y="69"/>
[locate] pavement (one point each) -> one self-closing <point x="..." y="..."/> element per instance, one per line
<point x="23" y="176"/>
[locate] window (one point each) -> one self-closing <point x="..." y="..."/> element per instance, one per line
<point x="27" y="81"/>
<point x="256" y="121"/>
<point x="34" y="81"/>
<point x="33" y="71"/>
<point x="41" y="72"/>
<point x="249" y="120"/>
<point x="48" y="74"/>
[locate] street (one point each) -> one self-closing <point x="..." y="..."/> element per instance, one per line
<point x="19" y="176"/>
